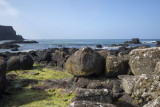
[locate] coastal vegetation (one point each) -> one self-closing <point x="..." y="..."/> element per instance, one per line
<point x="22" y="95"/>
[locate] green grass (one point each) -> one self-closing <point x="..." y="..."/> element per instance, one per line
<point x="34" y="98"/>
<point x="44" y="73"/>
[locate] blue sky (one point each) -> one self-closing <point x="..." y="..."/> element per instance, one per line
<point x="82" y="19"/>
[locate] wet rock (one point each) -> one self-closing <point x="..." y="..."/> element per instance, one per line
<point x="90" y="104"/>
<point x="143" y="61"/>
<point x="133" y="41"/>
<point x="116" y="65"/>
<point x="85" y="62"/>
<point x="8" y="45"/>
<point x="15" y="49"/>
<point x="98" y="46"/>
<point x="97" y="95"/>
<point x="22" y="41"/>
<point x="158" y="43"/>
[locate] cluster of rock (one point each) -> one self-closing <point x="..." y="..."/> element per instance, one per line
<point x="127" y="77"/>
<point x="8" y="33"/>
<point x="142" y="87"/>
<point x="9" y="62"/>
<point x="13" y="44"/>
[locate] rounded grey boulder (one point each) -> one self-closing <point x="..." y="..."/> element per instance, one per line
<point x="85" y="62"/>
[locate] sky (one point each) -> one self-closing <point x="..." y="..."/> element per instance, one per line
<point x="82" y="19"/>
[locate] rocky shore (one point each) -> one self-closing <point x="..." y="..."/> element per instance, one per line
<point x="128" y="77"/>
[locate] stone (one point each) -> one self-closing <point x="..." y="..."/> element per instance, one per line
<point x="116" y="65"/>
<point x="2" y="75"/>
<point x="146" y="88"/>
<point x="19" y="62"/>
<point x="158" y="43"/>
<point x="26" y="62"/>
<point x="157" y="69"/>
<point x="154" y="103"/>
<point x="97" y="95"/>
<point x="133" y="41"/>
<point x="85" y="62"/>
<point x="15" y="49"/>
<point x="13" y="63"/>
<point x="143" y="61"/>
<point x="128" y="83"/>
<point x="90" y="104"/>
<point x="98" y="46"/>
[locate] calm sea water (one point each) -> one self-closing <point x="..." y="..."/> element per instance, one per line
<point x="78" y="43"/>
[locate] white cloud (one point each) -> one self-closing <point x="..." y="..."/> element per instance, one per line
<point x="7" y="10"/>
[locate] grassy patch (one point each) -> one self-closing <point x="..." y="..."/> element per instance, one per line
<point x="26" y="97"/>
<point x="40" y="73"/>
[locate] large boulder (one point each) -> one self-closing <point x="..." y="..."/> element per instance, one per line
<point x="143" y="61"/>
<point x="2" y="75"/>
<point x="128" y="83"/>
<point x="158" y="44"/>
<point x="26" y="62"/>
<point x="116" y="65"/>
<point x="146" y="89"/>
<point x="13" y="63"/>
<point x="58" y="59"/>
<point x="19" y="62"/>
<point x="85" y="62"/>
<point x="98" y="46"/>
<point x="133" y="41"/>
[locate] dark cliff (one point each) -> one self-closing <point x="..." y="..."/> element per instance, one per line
<point x="8" y="33"/>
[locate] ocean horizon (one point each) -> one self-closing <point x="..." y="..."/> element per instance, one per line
<point x="77" y="43"/>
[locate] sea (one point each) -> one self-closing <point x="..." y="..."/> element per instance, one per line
<point x="77" y="43"/>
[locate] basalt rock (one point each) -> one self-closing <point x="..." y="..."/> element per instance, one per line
<point x="85" y="62"/>
<point x="19" y="62"/>
<point x="146" y="88"/>
<point x="8" y="33"/>
<point x="133" y="41"/>
<point x="98" y="46"/>
<point x="143" y="61"/>
<point x="2" y="75"/>
<point x="116" y="65"/>
<point x="8" y="45"/>
<point x="158" y="43"/>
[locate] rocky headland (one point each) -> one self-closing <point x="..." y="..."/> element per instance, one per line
<point x="8" y="33"/>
